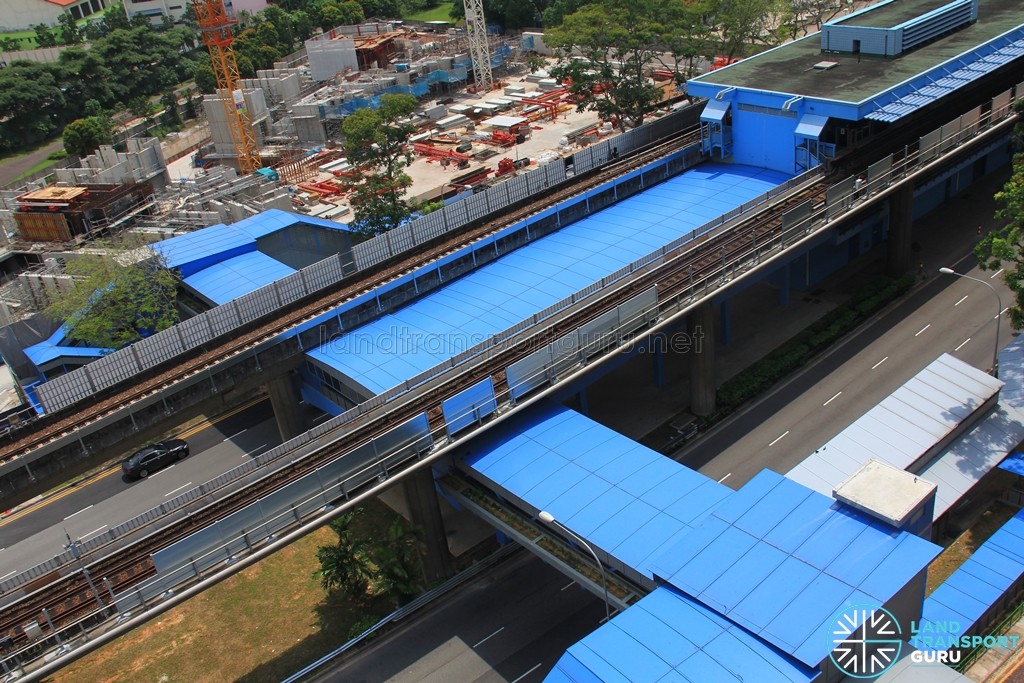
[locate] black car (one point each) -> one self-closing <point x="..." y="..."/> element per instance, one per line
<point x="147" y="460"/>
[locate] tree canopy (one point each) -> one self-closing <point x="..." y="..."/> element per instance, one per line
<point x="84" y="136"/>
<point x="375" y="144"/>
<point x="606" y="50"/>
<point x="1004" y="247"/>
<point x="115" y="298"/>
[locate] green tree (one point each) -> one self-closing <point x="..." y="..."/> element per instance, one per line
<point x="84" y="136"/>
<point x="169" y="101"/>
<point x="345" y="566"/>
<point x="69" y="31"/>
<point x="399" y="561"/>
<point x="302" y="25"/>
<point x="115" y="17"/>
<point x="32" y="104"/>
<point x="45" y="36"/>
<point x="115" y="298"/>
<point x="743" y="21"/>
<point x="381" y="9"/>
<point x="618" y="40"/>
<point x="8" y="44"/>
<point x="205" y="79"/>
<point x="1004" y="247"/>
<point x="376" y="145"/>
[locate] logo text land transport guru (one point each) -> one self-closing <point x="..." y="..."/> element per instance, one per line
<point x="944" y="635"/>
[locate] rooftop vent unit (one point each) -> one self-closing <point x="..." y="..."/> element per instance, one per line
<point x="825" y="66"/>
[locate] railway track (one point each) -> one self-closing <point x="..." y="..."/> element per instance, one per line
<point x="67" y="599"/>
<point x="48" y="428"/>
<point x="70" y="596"/>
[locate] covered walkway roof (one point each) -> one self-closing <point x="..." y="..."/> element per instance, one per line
<point x="745" y="581"/>
<point x="429" y="331"/>
<point x="626" y="499"/>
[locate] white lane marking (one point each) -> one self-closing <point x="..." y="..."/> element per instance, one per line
<point x="1001" y="313"/>
<point x="488" y="637"/>
<point x="567" y="586"/>
<point x="961" y="300"/>
<point x="831" y="399"/>
<point x="154" y="476"/>
<point x="77" y="513"/>
<point x="8" y="574"/>
<point x="2" y="549"/>
<point x="535" y="667"/>
<point x="234" y="435"/>
<point x="779" y="438"/>
<point x="995" y="274"/>
<point x="724" y="478"/>
<point x="253" y="451"/>
<point x="93" y="532"/>
<point x="879" y="362"/>
<point x="962" y="344"/>
<point x="923" y="329"/>
<point x="177" y="489"/>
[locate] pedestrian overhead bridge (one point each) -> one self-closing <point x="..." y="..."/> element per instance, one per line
<point x="742" y="584"/>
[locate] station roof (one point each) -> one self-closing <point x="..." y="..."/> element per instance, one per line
<point x="429" y="331"/>
<point x="667" y="636"/>
<point x="624" y="498"/>
<point x="781" y="561"/>
<point x="904" y="426"/>
<point x="790" y="68"/>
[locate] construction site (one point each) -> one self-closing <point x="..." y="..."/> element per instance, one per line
<point x="274" y="142"/>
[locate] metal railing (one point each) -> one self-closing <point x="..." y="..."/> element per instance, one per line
<point x="360" y="471"/>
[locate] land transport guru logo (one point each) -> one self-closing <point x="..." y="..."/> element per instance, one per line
<point x="864" y="641"/>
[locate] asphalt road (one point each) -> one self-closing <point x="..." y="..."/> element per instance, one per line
<point x="947" y="315"/>
<point x="514" y="624"/>
<point x="511" y="625"/>
<point x="38" y="533"/>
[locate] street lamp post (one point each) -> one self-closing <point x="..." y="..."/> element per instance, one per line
<point x="548" y="518"/>
<point x="77" y="554"/>
<point x="999" y="313"/>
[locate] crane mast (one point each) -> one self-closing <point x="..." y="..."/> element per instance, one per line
<point x="215" y="25"/>
<point x="479" y="49"/>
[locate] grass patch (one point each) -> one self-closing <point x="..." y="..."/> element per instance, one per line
<point x="439" y="13"/>
<point x="45" y="163"/>
<point x="261" y="624"/>
<point x="950" y="559"/>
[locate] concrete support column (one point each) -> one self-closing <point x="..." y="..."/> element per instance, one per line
<point x="700" y="326"/>
<point x="657" y="347"/>
<point x="725" y="310"/>
<point x="784" y="286"/>
<point x="285" y="398"/>
<point x="583" y="401"/>
<point x="901" y="222"/>
<point x="425" y="510"/>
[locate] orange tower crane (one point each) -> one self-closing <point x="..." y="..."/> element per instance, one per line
<point x="215" y="25"/>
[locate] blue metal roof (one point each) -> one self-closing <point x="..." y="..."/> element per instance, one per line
<point x="1014" y="463"/>
<point x="974" y="587"/>
<point x="625" y="499"/>
<point x="207" y="247"/>
<point x="237" y="276"/>
<point x="396" y="347"/>
<point x="667" y="637"/>
<point x="781" y="560"/>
